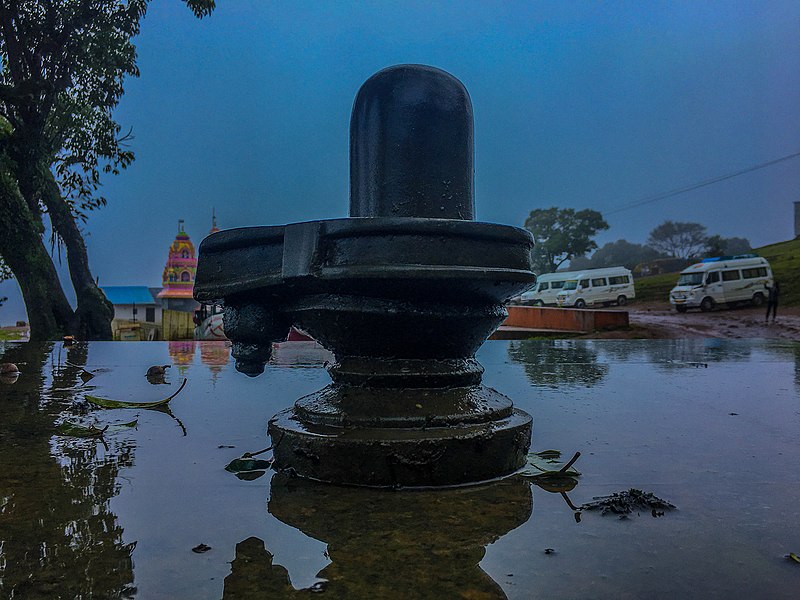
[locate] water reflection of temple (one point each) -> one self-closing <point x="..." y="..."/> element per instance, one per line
<point x="214" y="355"/>
<point x="408" y="544"/>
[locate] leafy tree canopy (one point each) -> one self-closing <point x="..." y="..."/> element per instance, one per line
<point x="561" y="234"/>
<point x="681" y="240"/>
<point x="716" y="245"/>
<point x="63" y="63"/>
<point x="615" y="254"/>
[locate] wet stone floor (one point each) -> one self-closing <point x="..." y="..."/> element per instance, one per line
<point x="711" y="426"/>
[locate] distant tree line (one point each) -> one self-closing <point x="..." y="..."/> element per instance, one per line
<point x="566" y="236"/>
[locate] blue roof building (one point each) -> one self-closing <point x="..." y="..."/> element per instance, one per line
<point x="134" y="303"/>
<point x="128" y="294"/>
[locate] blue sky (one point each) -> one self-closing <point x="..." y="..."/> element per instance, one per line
<point x="577" y="104"/>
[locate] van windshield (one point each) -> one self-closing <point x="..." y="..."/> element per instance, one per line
<point x="690" y="279"/>
<point x="570" y="285"/>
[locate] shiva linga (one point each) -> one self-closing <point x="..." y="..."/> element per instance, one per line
<point x="403" y="293"/>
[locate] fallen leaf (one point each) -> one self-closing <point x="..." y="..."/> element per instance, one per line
<point x="107" y="403"/>
<point x="546" y="464"/>
<point x="68" y="428"/>
<point x="156" y="370"/>
<point x="249" y="475"/>
<point x="793" y="556"/>
<point x="240" y="465"/>
<point x="76" y="430"/>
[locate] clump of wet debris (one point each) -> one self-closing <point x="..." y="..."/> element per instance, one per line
<point x="629" y="501"/>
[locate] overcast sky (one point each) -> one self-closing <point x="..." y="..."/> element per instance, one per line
<point x="577" y="104"/>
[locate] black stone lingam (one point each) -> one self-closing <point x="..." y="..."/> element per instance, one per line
<point x="403" y="292"/>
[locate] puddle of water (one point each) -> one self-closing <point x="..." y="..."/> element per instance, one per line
<point x="709" y="425"/>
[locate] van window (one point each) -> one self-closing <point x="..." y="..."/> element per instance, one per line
<point x="618" y="280"/>
<point x="730" y="275"/>
<point x="713" y="277"/>
<point x="543" y="286"/>
<point x="690" y="279"/>
<point x="753" y="273"/>
<point x="599" y="282"/>
<point x="584" y="283"/>
<point x="557" y="285"/>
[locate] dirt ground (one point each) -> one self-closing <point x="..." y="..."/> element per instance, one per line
<point x="660" y="321"/>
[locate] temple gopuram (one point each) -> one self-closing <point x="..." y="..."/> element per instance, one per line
<point x="169" y="312"/>
<point x="179" y="273"/>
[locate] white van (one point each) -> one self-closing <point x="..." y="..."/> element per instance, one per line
<point x="729" y="280"/>
<point x="546" y="289"/>
<point x="595" y="287"/>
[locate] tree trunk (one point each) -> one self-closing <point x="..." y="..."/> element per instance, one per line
<point x="21" y="247"/>
<point x="94" y="312"/>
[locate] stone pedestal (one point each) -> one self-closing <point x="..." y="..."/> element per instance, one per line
<point x="403" y="293"/>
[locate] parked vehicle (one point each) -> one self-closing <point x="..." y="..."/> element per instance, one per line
<point x="725" y="280"/>
<point x="597" y="287"/>
<point x="546" y="289"/>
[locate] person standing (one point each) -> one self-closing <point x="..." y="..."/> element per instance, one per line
<point x="772" y="300"/>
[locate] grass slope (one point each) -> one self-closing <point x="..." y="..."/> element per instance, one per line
<point x="784" y="257"/>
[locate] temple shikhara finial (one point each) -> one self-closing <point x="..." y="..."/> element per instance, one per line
<point x="214" y="228"/>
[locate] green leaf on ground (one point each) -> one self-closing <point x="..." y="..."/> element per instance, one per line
<point x="793" y="556"/>
<point x="547" y="464"/>
<point x="243" y="465"/>
<point x="81" y="431"/>
<point x="107" y="403"/>
<point x="68" y="428"/>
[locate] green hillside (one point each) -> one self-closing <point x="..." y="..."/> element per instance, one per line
<point x="784" y="258"/>
<point x="785" y="261"/>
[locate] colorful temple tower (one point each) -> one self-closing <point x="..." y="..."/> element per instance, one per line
<point x="179" y="273"/>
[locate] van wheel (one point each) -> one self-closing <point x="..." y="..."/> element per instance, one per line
<point x="758" y="299"/>
<point x="538" y="303"/>
<point x="707" y="304"/>
<point x="680" y="308"/>
<point x="580" y="303"/>
<point x="622" y="301"/>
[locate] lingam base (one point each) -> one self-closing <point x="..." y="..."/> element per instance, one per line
<point x="402" y="436"/>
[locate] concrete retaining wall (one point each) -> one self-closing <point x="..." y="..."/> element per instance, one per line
<point x="564" y="319"/>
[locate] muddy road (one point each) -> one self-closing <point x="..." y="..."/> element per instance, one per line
<point x="660" y="321"/>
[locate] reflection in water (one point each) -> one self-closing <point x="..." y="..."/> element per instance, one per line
<point x="386" y="544"/>
<point x="215" y="356"/>
<point x="182" y="354"/>
<point x="58" y="537"/>
<point x="558" y="363"/>
<point x="689" y="353"/>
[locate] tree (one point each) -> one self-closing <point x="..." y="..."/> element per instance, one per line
<point x="64" y="63"/>
<point x="716" y="245"/>
<point x="561" y="234"/>
<point x="623" y="253"/>
<point x="680" y="240"/>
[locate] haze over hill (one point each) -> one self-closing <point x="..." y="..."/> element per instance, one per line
<point x="576" y="105"/>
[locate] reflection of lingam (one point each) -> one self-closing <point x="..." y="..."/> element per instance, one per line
<point x="409" y="544"/>
<point x="403" y="292"/>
